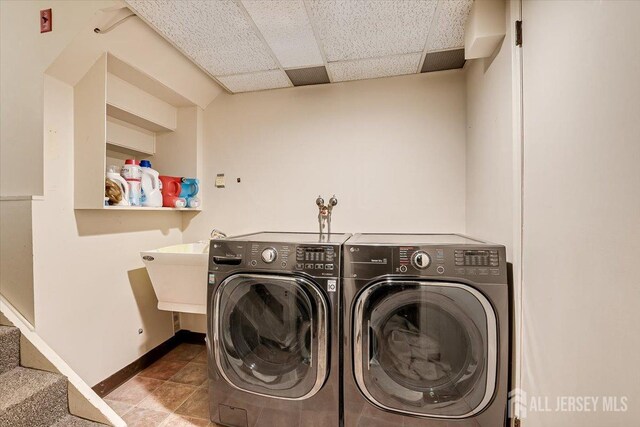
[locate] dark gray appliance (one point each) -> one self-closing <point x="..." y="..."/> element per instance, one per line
<point x="426" y="331"/>
<point x="273" y="329"/>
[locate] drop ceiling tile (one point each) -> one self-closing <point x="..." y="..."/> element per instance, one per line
<point x="365" y="29"/>
<point x="255" y="81"/>
<point x="217" y="35"/>
<point x="287" y="30"/>
<point x="443" y="60"/>
<point x="447" y="31"/>
<point x="308" y="76"/>
<point x="375" y="67"/>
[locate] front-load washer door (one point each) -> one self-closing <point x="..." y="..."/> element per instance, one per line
<point x="425" y="348"/>
<point x="271" y="335"/>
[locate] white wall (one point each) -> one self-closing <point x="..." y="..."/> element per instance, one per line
<point x="582" y="207"/>
<point x="392" y="150"/>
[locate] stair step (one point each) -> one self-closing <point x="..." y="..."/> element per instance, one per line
<point x="71" y="421"/>
<point x="32" y="398"/>
<point x="9" y="348"/>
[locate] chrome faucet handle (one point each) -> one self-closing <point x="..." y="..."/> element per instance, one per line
<point x="217" y="234"/>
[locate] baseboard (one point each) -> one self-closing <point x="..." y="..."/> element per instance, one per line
<point x="114" y="381"/>
<point x="191" y="337"/>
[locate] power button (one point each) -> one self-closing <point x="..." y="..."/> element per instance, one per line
<point x="403" y="269"/>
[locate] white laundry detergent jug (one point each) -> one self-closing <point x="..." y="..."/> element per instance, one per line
<point x="151" y="189"/>
<point x="113" y="173"/>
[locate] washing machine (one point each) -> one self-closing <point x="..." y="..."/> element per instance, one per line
<point x="274" y="329"/>
<point x="426" y="331"/>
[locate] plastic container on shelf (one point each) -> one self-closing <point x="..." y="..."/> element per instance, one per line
<point x="114" y="174"/>
<point x="151" y="186"/>
<point x="189" y="191"/>
<point x="132" y="173"/>
<point x="171" y="188"/>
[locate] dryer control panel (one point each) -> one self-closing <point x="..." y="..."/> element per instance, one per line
<point x="481" y="264"/>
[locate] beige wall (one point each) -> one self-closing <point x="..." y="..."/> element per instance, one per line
<point x="582" y="207"/>
<point x="392" y="150"/>
<point x="90" y="292"/>
<point x="25" y="55"/>
<point x="16" y="256"/>
<point x="489" y="153"/>
<point x="493" y="160"/>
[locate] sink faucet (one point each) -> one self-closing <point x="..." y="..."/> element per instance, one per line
<point x="217" y="234"/>
<point x="324" y="213"/>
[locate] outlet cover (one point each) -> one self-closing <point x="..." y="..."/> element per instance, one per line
<point x="220" y="180"/>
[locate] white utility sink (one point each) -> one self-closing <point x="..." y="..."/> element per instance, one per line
<point x="179" y="276"/>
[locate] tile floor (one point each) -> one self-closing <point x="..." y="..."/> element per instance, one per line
<point x="170" y="393"/>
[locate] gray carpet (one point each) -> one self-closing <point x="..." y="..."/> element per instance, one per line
<point x="9" y="348"/>
<point x="71" y="421"/>
<point x="30" y="397"/>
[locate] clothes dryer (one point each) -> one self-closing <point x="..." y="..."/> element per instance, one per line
<point x="426" y="328"/>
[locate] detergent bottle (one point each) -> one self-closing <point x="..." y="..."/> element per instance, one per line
<point x="132" y="173"/>
<point x="189" y="191"/>
<point x="151" y="188"/>
<point x="114" y="174"/>
<point x="171" y="188"/>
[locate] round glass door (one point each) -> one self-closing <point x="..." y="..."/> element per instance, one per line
<point x="425" y="348"/>
<point x="271" y="335"/>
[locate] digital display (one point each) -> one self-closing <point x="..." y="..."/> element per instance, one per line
<point x="476" y="253"/>
<point x="314" y="253"/>
<point x="476" y="258"/>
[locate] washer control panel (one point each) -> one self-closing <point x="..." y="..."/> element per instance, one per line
<point x="317" y="259"/>
<point x="276" y="256"/>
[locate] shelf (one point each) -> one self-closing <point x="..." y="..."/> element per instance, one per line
<point x="144" y="82"/>
<point x="121" y="113"/>
<point x="141" y="105"/>
<point x="123" y="135"/>
<point x="148" y="209"/>
<point x="135" y="119"/>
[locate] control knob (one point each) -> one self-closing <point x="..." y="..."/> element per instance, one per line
<point x="269" y="255"/>
<point x="420" y="260"/>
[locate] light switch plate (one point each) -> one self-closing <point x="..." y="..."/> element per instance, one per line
<point x="46" y="20"/>
<point x="220" y="180"/>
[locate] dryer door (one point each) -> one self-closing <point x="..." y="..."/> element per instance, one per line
<point x="271" y="335"/>
<point x="425" y="348"/>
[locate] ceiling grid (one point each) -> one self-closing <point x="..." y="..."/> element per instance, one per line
<point x="250" y="45"/>
<point x="314" y="28"/>
<point x="426" y="42"/>
<point x="250" y="82"/>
